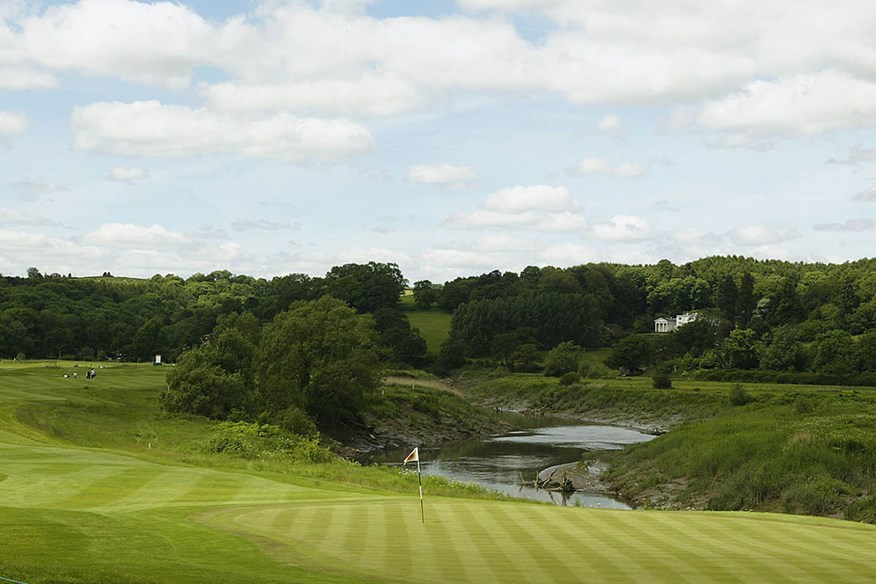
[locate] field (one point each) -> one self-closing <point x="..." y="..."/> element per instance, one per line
<point x="434" y="324"/>
<point x="97" y="486"/>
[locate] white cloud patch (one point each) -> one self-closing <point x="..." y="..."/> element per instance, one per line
<point x="153" y="43"/>
<point x="13" y="217"/>
<point x="600" y="166"/>
<point x="611" y="125"/>
<point x="127" y="174"/>
<point x="856" y="155"/>
<point x="850" y="225"/>
<point x="567" y="254"/>
<point x="149" y="128"/>
<point x="531" y="198"/>
<point x="759" y="235"/>
<point x="370" y="94"/>
<point x="129" y="235"/>
<point x="12" y="123"/>
<point x="804" y="104"/>
<point x="538" y="207"/>
<point x="866" y="196"/>
<point x="443" y="174"/>
<point x="261" y="225"/>
<point x="623" y="228"/>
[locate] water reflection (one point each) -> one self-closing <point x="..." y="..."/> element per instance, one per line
<point x="510" y="463"/>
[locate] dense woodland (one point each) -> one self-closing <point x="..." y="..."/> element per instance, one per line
<point x="770" y="318"/>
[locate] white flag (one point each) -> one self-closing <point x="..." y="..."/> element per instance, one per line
<point x="414" y="456"/>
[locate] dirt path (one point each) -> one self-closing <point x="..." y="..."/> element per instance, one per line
<point x="413" y="381"/>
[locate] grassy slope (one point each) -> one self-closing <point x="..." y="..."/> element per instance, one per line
<point x="434" y="323"/>
<point x="126" y="512"/>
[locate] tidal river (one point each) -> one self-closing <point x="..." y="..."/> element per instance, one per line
<point x="509" y="463"/>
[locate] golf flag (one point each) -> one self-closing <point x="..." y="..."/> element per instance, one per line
<point x="414" y="456"/>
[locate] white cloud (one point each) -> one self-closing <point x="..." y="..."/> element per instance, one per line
<point x="530" y="198"/>
<point x="537" y="207"/>
<point x="611" y="125"/>
<point x="867" y="196"/>
<point x="444" y="174"/>
<point x="128" y="174"/>
<point x="12" y="123"/>
<point x="760" y="235"/>
<point x="18" y="77"/>
<point x="850" y="225"/>
<point x="129" y="235"/>
<point x="13" y="217"/>
<point x="592" y="165"/>
<point x="369" y="94"/>
<point x="857" y="154"/>
<point x="157" y="43"/>
<point x="567" y="254"/>
<point x="623" y="228"/>
<point x="805" y="104"/>
<point x="148" y="128"/>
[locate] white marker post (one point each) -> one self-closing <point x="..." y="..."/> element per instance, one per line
<point x="415" y="456"/>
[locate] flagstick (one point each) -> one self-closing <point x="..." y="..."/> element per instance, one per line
<point x="420" y="481"/>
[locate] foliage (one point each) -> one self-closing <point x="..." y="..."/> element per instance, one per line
<point x="264" y="441"/>
<point x="570" y="378"/>
<point x="366" y="287"/>
<point x="562" y="359"/>
<point x="738" y="396"/>
<point x="319" y="356"/>
<point x="425" y="294"/>
<point x="661" y="381"/>
<point x="632" y="354"/>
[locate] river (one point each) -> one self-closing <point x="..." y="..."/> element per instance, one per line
<point x="509" y="463"/>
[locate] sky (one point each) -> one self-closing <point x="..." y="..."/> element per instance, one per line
<point x="449" y="137"/>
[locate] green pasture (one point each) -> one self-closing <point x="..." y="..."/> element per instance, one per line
<point x="97" y="486"/>
<point x="434" y="325"/>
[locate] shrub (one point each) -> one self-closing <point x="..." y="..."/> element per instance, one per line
<point x="265" y="441"/>
<point x="661" y="381"/>
<point x="570" y="378"/>
<point x="738" y="395"/>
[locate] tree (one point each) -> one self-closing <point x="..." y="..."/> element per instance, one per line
<point x="403" y="342"/>
<point x="633" y="354"/>
<point x="740" y="349"/>
<point x="727" y="299"/>
<point x="784" y="351"/>
<point x="563" y="358"/>
<point x="366" y="287"/>
<point x="425" y="294"/>
<point x="745" y="300"/>
<point x="319" y="356"/>
<point x="199" y="385"/>
<point x="834" y="353"/>
<point x="34" y="273"/>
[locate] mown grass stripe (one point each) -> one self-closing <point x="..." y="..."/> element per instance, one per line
<point x="504" y="564"/>
<point x="577" y="538"/>
<point x="645" y="553"/>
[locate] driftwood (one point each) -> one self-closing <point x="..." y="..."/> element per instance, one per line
<point x="563" y="484"/>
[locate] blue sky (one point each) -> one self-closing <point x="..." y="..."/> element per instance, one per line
<point x="451" y="138"/>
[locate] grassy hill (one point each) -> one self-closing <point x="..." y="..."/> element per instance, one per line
<point x="96" y="485"/>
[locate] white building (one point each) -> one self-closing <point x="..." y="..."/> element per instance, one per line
<point x="667" y="325"/>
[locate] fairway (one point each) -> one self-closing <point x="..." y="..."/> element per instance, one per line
<point x="75" y="514"/>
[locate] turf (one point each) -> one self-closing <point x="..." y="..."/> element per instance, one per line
<point x="119" y="511"/>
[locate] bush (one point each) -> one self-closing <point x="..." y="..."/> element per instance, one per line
<point x="738" y="395"/>
<point x="570" y="378"/>
<point x="661" y="381"/>
<point x="267" y="442"/>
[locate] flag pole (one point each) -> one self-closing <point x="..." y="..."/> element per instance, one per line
<point x="415" y="456"/>
<point x="420" y="481"/>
